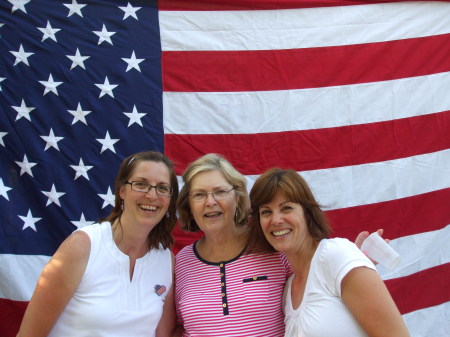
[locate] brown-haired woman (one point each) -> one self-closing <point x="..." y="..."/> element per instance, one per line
<point x="115" y="278"/>
<point x="335" y="289"/>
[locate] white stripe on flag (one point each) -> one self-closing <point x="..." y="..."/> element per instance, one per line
<point x="305" y="109"/>
<point x="419" y="252"/>
<point x="360" y="184"/>
<point x="435" y="319"/>
<point x="286" y="29"/>
<point x="19" y="275"/>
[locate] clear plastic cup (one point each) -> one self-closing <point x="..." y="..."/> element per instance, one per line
<point x="379" y="250"/>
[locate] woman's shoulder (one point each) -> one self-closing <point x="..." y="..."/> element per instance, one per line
<point x="185" y="252"/>
<point x="339" y="255"/>
<point x="95" y="227"/>
<point x="331" y="247"/>
<point x="74" y="249"/>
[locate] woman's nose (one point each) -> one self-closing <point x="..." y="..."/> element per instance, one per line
<point x="276" y="218"/>
<point x="210" y="199"/>
<point x="152" y="192"/>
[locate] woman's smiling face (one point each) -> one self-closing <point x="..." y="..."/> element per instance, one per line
<point x="211" y="214"/>
<point x="146" y="208"/>
<point x="283" y="223"/>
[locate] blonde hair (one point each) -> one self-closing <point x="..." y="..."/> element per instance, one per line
<point x="212" y="162"/>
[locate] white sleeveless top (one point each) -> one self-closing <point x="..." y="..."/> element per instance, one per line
<point x="106" y="302"/>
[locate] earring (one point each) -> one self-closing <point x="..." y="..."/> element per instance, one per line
<point x="167" y="214"/>
<point x="121" y="206"/>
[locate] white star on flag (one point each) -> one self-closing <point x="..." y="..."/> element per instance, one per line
<point x="2" y="134"/>
<point x="74" y="8"/>
<point x="79" y="114"/>
<point x="1" y="80"/>
<point x="81" y="170"/>
<point x="135" y="116"/>
<point x="23" y="111"/>
<point x="107" y="89"/>
<point x="104" y="35"/>
<point x="53" y="196"/>
<point x="25" y="166"/>
<point x="133" y="62"/>
<point x="49" y="32"/>
<point x="77" y="60"/>
<point x="107" y="143"/>
<point x="130" y="11"/>
<point x="21" y="56"/>
<point x="29" y="221"/>
<point x="51" y="140"/>
<point x="82" y="222"/>
<point x="18" y="4"/>
<point x="4" y="189"/>
<point x="108" y="198"/>
<point x="50" y="85"/>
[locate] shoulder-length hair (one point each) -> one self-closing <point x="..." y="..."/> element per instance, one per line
<point x="295" y="189"/>
<point x="212" y="162"/>
<point x="162" y="233"/>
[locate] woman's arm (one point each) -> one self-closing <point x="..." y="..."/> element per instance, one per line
<point x="369" y="301"/>
<point x="56" y="285"/>
<point x="167" y="323"/>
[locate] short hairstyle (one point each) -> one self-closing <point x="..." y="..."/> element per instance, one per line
<point x="212" y="162"/>
<point x="162" y="233"/>
<point x="295" y="189"/>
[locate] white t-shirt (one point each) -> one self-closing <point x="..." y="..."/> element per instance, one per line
<point x="106" y="302"/>
<point x="322" y="311"/>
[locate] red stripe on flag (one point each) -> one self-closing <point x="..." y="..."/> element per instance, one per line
<point x="219" y="71"/>
<point x="400" y="217"/>
<point x="203" y="5"/>
<point x="424" y="289"/>
<point x="318" y="149"/>
<point x="11" y="313"/>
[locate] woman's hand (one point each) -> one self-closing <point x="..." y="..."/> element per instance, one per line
<point x="362" y="236"/>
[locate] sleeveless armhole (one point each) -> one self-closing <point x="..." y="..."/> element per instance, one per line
<point x="93" y="232"/>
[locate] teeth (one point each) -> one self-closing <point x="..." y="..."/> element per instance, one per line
<point x="148" y="208"/>
<point x="212" y="214"/>
<point x="281" y="232"/>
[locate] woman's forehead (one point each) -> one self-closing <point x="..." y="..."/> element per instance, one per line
<point x="151" y="169"/>
<point x="209" y="179"/>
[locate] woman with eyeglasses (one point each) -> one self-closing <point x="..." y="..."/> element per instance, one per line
<point x="115" y="278"/>
<point x="225" y="286"/>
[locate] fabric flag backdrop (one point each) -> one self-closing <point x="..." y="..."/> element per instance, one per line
<point x="355" y="95"/>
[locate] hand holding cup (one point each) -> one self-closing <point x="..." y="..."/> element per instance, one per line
<point x="379" y="250"/>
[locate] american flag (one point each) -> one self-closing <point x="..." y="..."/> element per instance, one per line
<point x="354" y="95"/>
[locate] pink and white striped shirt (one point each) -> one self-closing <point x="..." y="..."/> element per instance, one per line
<point x="240" y="297"/>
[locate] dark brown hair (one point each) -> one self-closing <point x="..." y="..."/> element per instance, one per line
<point x="295" y="189"/>
<point x="162" y="233"/>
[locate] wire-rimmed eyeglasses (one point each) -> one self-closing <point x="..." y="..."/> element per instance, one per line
<point x="217" y="195"/>
<point x="141" y="186"/>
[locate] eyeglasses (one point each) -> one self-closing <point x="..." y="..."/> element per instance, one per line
<point x="141" y="186"/>
<point x="217" y="195"/>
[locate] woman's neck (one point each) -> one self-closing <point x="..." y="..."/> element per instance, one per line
<point x="223" y="247"/>
<point x="300" y="260"/>
<point x="131" y="243"/>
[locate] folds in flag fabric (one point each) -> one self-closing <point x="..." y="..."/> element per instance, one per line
<point x="354" y="95"/>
